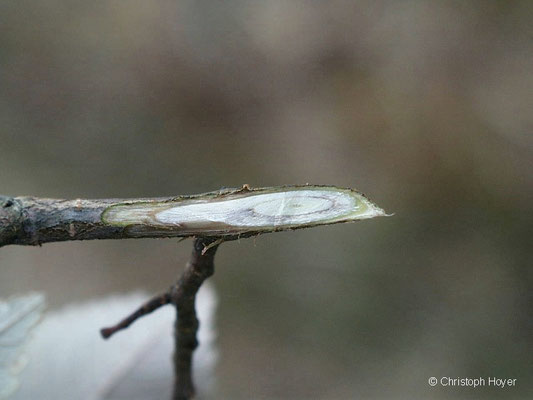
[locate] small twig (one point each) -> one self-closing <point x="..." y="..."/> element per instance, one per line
<point x="183" y="296"/>
<point x="213" y="243"/>
<point x="151" y="305"/>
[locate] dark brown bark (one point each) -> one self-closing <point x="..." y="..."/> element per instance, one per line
<point x="200" y="267"/>
<point x="148" y="307"/>
<point x="183" y="296"/>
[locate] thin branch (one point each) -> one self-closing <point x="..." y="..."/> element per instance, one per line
<point x="183" y="296"/>
<point x="151" y="305"/>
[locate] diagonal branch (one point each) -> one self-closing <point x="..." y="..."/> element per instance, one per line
<point x="151" y="305"/>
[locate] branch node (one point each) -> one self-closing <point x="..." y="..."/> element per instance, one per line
<point x="183" y="296"/>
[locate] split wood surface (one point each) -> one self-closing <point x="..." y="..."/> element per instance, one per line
<point x="229" y="213"/>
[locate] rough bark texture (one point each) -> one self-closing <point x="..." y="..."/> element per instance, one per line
<point x="200" y="267"/>
<point x="33" y="221"/>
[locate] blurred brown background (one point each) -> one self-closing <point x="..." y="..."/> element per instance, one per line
<point x="424" y="106"/>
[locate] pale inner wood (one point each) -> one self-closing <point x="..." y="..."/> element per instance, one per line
<point x="267" y="209"/>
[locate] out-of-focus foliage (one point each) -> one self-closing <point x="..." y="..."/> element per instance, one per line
<point x="18" y="316"/>
<point x="426" y="106"/>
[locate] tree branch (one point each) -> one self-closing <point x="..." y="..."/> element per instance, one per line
<point x="148" y="307"/>
<point x="183" y="296"/>
<point x="227" y="213"/>
<point x="212" y="218"/>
